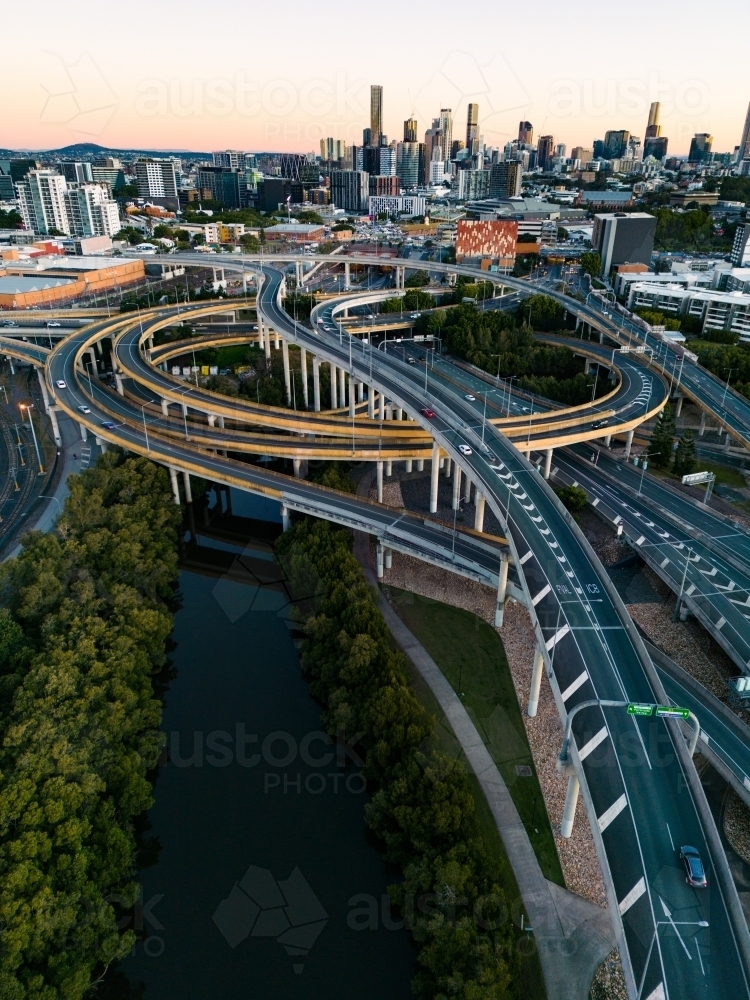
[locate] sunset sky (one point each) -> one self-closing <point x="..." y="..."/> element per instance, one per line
<point x="186" y="75"/>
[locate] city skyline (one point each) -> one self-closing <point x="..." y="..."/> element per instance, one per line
<point x="190" y="90"/>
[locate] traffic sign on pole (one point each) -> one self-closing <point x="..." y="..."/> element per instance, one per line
<point x="634" y="708"/>
<point x="672" y="712"/>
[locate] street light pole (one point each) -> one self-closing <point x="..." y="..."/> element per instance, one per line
<point x="29" y="407"/>
<point x="676" y="614"/>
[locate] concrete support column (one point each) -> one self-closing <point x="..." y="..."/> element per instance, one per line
<point x="380" y="481"/>
<point x="601" y="336"/>
<point x="536" y="683"/>
<point x="435" y="472"/>
<point x="548" y="462"/>
<point x="360" y="392"/>
<point x="678" y="408"/>
<point x="467" y="489"/>
<point x="352" y="401"/>
<point x="569" y="811"/>
<point x="409" y="465"/>
<point x="379" y="560"/>
<point x="277" y="340"/>
<point x="456" y="488"/>
<point x="55" y="427"/>
<point x="399" y="413"/>
<point x="447" y="467"/>
<point x="389" y="469"/>
<point x="188" y="491"/>
<point x="702" y="430"/>
<point x="389" y="411"/>
<point x="342" y="386"/>
<point x="371" y="402"/>
<point x="12" y="367"/>
<point x="347" y="277"/>
<point x="221" y="422"/>
<point x="92" y="358"/>
<point x="118" y="381"/>
<point x="334" y="387"/>
<point x="287" y="373"/>
<point x="84" y="434"/>
<point x="303" y="369"/>
<point x="628" y="444"/>
<point x="608" y="441"/>
<point x="316" y="385"/>
<point x="388" y="553"/>
<point x="175" y="484"/>
<point x="103" y="445"/>
<point x="165" y="406"/>
<point x="212" y="420"/>
<point x="420" y="465"/>
<point x="479" y="511"/>
<point x="43" y="387"/>
<point x="502" y="586"/>
<point x="297" y="464"/>
<point x="587" y="366"/>
<point x="285" y="519"/>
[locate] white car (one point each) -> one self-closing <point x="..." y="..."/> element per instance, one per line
<point x="472" y="399"/>
<point x="465" y="449"/>
<point x="84" y="409"/>
<point x="61" y="384"/>
<point x="53" y="323"/>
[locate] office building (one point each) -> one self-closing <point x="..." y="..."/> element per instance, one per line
<point x="157" y="182"/>
<point x="230" y="159"/>
<point x="740" y="255"/>
<point x="387" y="160"/>
<point x="615" y="144"/>
<point x="582" y="153"/>
<point x="433" y="142"/>
<point x="655" y="146"/>
<point x="108" y="170"/>
<point x="76" y="172"/>
<point x="700" y="147"/>
<point x="409" y="160"/>
<point x="653" y="129"/>
<point x="446" y="127"/>
<point x="384" y="184"/>
<point x="495" y="239"/>
<point x="41" y="198"/>
<point x="473" y="185"/>
<point x="272" y="193"/>
<point x="544" y="151"/>
<point x="350" y="189"/>
<point x="525" y="133"/>
<point x="229" y="187"/>
<point x="393" y="205"/>
<point x="91" y="211"/>
<point x="410" y="130"/>
<point x="332" y="149"/>
<point x="560" y="150"/>
<point x="622" y="238"/>
<point x="744" y="150"/>
<point x="505" y="179"/>
<point x="376" y="114"/>
<point x="472" y="128"/>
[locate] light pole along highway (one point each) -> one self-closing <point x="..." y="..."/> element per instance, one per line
<point x="635" y="795"/>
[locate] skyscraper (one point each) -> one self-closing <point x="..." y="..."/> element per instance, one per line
<point x="408" y="163"/>
<point x="653" y="129"/>
<point x="544" y="151"/>
<point x="745" y="141"/>
<point x="472" y="128"/>
<point x="525" y="133"/>
<point x="446" y="126"/>
<point x="410" y="130"/>
<point x="350" y="189"/>
<point x="41" y="198"/>
<point x="700" y="147"/>
<point x="376" y="114"/>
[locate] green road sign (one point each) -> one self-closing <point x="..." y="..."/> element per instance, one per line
<point x="672" y="712"/>
<point x="640" y="709"/>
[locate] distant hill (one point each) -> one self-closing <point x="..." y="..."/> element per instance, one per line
<point x="88" y="150"/>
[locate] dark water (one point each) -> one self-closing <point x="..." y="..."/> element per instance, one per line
<point x="288" y="828"/>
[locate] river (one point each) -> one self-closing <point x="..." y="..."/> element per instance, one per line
<point x="263" y="883"/>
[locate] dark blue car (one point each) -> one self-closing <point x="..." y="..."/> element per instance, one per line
<point x="695" y="873"/>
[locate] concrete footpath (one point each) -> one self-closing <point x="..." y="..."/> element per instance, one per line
<point x="573" y="936"/>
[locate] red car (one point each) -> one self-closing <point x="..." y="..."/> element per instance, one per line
<point x="427" y="412"/>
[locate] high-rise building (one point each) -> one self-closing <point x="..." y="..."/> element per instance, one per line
<point x="740" y="255"/>
<point x="332" y="149"/>
<point x="387" y="161"/>
<point x="656" y="147"/>
<point x="615" y="143"/>
<point x="91" y="211"/>
<point x="582" y="153"/>
<point x="744" y="151"/>
<point x="545" y="148"/>
<point x="560" y="150"/>
<point x="623" y="238"/>
<point x="41" y="198"/>
<point x="157" y="182"/>
<point x="230" y="159"/>
<point x="472" y="128"/>
<point x="446" y="126"/>
<point x="410" y="130"/>
<point x="226" y="186"/>
<point x="433" y="147"/>
<point x="653" y="129"/>
<point x="385" y="185"/>
<point x="505" y="179"/>
<point x="350" y="189"/>
<point x="700" y="147"/>
<point x="525" y="133"/>
<point x="408" y="163"/>
<point x="76" y="172"/>
<point x="376" y="114"/>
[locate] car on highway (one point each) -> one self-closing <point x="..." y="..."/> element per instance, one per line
<point x="412" y="361"/>
<point x="84" y="409"/>
<point x="108" y="425"/>
<point x="9" y="322"/>
<point x="472" y="399"/>
<point x="465" y="449"/>
<point x="53" y="323"/>
<point x="61" y="384"/>
<point x="695" y="873"/>
<point x="427" y="412"/>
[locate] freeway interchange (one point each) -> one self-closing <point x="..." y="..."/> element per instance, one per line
<point x="638" y="784"/>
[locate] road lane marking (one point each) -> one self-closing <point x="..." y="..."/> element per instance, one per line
<point x="577" y="683"/>
<point x="542" y="593"/>
<point x="664" y="563"/>
<point x="593" y="743"/>
<point x="612" y="813"/>
<point x="632" y="897"/>
<point x="525" y="558"/>
<point x="721" y="622"/>
<point x="671" y="841"/>
<point x="641" y="540"/>
<point x="560" y="634"/>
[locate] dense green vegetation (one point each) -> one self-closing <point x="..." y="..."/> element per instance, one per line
<point x="335" y="476"/>
<point x="573" y="498"/>
<point x="422" y="809"/>
<point x="661" y="445"/>
<point x="11" y="219"/>
<point x="413" y="299"/>
<point x="417" y="279"/>
<point x="591" y="263"/>
<point x="299" y="306"/>
<point x="83" y="629"/>
<point x="491" y="340"/>
<point x="731" y="361"/>
<point x="735" y="189"/>
<point x="692" y="229"/>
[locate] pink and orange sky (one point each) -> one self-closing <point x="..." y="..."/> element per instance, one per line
<point x="185" y="75"/>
